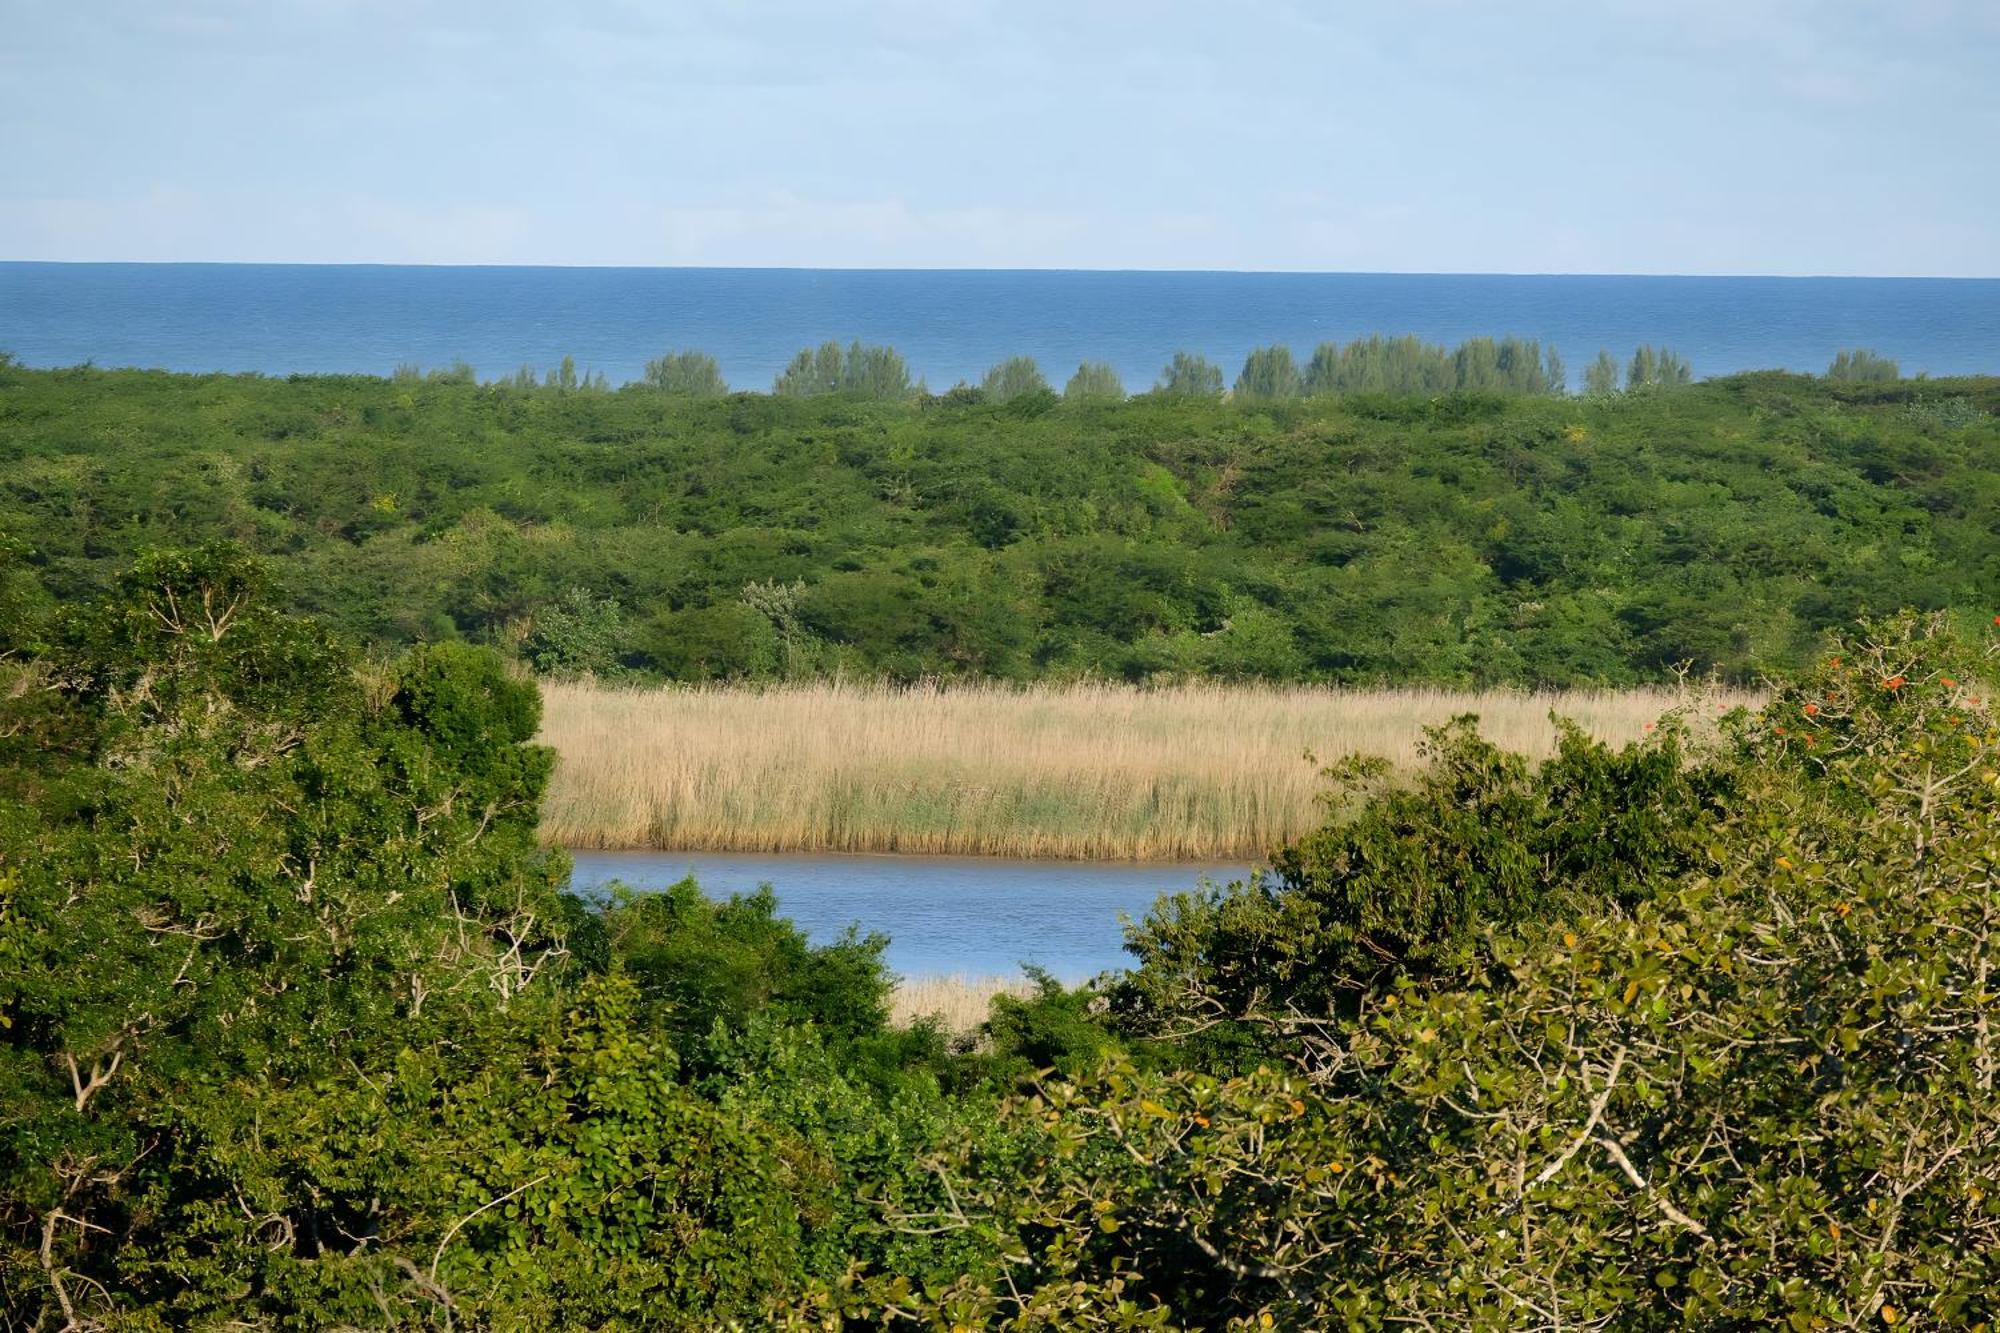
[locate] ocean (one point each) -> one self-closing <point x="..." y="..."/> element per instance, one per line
<point x="949" y="324"/>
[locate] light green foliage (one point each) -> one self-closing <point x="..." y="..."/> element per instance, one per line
<point x="1016" y="377"/>
<point x="858" y="369"/>
<point x="1408" y="365"/>
<point x="1600" y="377"/>
<point x="1094" y="382"/>
<point x="1862" y="366"/>
<point x="1190" y="376"/>
<point x="1268" y="375"/>
<point x="692" y="373"/>
<point x="1657" y="368"/>
<point x="1381" y="365"/>
<point x="1511" y="365"/>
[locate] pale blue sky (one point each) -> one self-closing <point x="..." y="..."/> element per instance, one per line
<point x="1606" y="136"/>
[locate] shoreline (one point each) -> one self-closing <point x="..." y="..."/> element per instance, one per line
<point x="1257" y="856"/>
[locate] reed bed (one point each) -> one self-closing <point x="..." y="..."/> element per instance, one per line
<point x="1093" y="771"/>
<point x="959" y="1003"/>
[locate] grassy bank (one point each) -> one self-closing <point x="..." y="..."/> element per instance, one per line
<point x="1100" y="771"/>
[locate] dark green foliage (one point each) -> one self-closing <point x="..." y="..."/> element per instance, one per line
<point x="578" y="633"/>
<point x="701" y="964"/>
<point x="1442" y="536"/>
<point x="692" y="373"/>
<point x="1758" y="1095"/>
<point x="727" y="641"/>
<point x="1406" y="885"/>
<point x="1861" y="366"/>
<point x="298" y="1029"/>
<point x="1055" y="1028"/>
<point x="1268" y="375"/>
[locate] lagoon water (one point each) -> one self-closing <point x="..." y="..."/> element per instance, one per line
<point x="979" y="916"/>
<point x="949" y="324"/>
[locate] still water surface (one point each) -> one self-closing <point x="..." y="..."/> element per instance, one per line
<point x="950" y="324"/>
<point x="978" y="916"/>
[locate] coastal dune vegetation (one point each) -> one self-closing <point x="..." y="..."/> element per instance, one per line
<point x="1377" y="514"/>
<point x="1082" y="770"/>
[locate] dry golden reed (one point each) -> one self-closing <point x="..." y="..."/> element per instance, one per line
<point x="1101" y="771"/>
<point x="959" y="1004"/>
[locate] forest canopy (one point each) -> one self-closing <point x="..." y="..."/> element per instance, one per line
<point x="1457" y="537"/>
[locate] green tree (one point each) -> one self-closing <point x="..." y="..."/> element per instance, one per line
<point x="1094" y="382"/>
<point x="1657" y="367"/>
<point x="290" y="873"/>
<point x="876" y="372"/>
<point x="1555" y="375"/>
<point x="815" y="370"/>
<point x="1268" y="375"/>
<point x="1016" y="377"/>
<point x="1600" y="377"/>
<point x="694" y="374"/>
<point x="1190" y="376"/>
<point x="578" y="634"/>
<point x="1626" y="1085"/>
<point x="869" y="372"/>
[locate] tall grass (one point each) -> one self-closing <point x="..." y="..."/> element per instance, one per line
<point x="1083" y="771"/>
<point x="959" y="1004"/>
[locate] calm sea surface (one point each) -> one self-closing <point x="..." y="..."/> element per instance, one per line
<point x="980" y="916"/>
<point x="949" y="324"/>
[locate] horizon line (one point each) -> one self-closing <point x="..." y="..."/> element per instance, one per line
<point x="1021" y="269"/>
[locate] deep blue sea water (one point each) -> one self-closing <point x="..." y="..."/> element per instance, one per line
<point x="949" y="324"/>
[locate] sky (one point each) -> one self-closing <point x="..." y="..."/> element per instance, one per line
<point x="1532" y="136"/>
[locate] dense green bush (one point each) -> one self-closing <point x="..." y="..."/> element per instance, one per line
<point x="299" y="1029"/>
<point x="1758" y="1094"/>
<point x="1407" y="885"/>
<point x="1450" y="537"/>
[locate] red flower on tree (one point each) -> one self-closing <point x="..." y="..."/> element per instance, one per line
<point x="1895" y="683"/>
